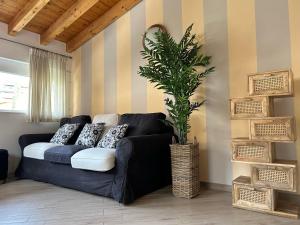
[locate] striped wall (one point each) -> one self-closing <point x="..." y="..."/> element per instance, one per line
<point x="242" y="60"/>
<point x="155" y="15"/>
<point x="294" y="25"/>
<point x="217" y="92"/>
<point x="242" y="37"/>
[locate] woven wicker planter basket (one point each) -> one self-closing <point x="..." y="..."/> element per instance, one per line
<point x="185" y="170"/>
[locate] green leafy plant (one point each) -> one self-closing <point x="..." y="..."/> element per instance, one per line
<point x="178" y="69"/>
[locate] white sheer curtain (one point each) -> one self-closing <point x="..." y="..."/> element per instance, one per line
<point x="48" y="86"/>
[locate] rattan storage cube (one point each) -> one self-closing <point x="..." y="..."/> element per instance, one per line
<point x="251" y="107"/>
<point x="248" y="197"/>
<point x="252" y="151"/>
<point x="276" y="176"/>
<point x="275" y="129"/>
<point x="274" y="83"/>
<point x="185" y="170"/>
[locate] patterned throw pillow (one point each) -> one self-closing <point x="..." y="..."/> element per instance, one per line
<point x="90" y="134"/>
<point x="113" y="135"/>
<point x="64" y="133"/>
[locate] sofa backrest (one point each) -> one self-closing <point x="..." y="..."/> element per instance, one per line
<point x="145" y="124"/>
<point x="81" y="120"/>
<point x="139" y="123"/>
<point x="110" y="120"/>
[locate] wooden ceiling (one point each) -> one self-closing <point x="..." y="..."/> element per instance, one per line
<point x="71" y="21"/>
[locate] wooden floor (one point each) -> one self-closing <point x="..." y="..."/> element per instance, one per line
<point x="27" y="202"/>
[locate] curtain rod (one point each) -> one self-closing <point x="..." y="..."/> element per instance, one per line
<point x="31" y="46"/>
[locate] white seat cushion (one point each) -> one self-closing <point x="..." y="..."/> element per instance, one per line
<point x="37" y="150"/>
<point x="96" y="159"/>
<point x="110" y="120"/>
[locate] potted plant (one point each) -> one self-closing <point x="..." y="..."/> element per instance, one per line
<point x="178" y="69"/>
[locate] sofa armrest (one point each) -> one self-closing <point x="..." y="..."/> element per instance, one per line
<point x="28" y="139"/>
<point x="143" y="165"/>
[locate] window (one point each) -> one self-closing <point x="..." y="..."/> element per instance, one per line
<point x="14" y="87"/>
<point x="13" y="92"/>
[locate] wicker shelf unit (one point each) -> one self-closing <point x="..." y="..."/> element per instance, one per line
<point x="268" y="175"/>
<point x="274" y="83"/>
<point x="275" y="129"/>
<point x="251" y="107"/>
<point x="263" y="200"/>
<point x="253" y="151"/>
<point x="275" y="176"/>
<point x="245" y="195"/>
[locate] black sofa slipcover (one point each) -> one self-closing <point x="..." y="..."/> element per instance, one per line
<point x="62" y="154"/>
<point x="144" y="124"/>
<point x="142" y="166"/>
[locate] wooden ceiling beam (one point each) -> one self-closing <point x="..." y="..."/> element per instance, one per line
<point x="25" y="15"/>
<point x="67" y="19"/>
<point x="101" y="23"/>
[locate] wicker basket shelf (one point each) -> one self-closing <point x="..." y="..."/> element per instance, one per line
<point x="276" y="176"/>
<point x="274" y="83"/>
<point x="275" y="129"/>
<point x="249" y="197"/>
<point x="251" y="107"/>
<point x="259" y="192"/>
<point x="263" y="200"/>
<point x="252" y="151"/>
<point x="276" y="161"/>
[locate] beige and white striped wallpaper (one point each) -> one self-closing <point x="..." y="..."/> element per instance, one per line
<point x="242" y="37"/>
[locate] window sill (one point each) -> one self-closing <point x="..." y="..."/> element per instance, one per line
<point x="12" y="111"/>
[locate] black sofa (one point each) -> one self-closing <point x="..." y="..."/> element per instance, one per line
<point x="142" y="161"/>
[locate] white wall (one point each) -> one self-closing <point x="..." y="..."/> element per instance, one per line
<point x="19" y="52"/>
<point x="12" y="124"/>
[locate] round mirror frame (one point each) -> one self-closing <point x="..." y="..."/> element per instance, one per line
<point x="159" y="26"/>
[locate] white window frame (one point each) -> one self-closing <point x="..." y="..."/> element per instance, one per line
<point x="25" y="111"/>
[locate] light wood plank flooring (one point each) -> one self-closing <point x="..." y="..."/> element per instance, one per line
<point x="26" y="202"/>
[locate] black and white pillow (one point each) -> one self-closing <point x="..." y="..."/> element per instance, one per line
<point x="64" y="133"/>
<point x="113" y="135"/>
<point x="90" y="134"/>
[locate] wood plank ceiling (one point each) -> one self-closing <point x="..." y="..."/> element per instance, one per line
<point x="71" y="21"/>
